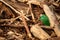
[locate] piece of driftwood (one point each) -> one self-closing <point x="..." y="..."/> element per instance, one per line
<point x="52" y="18"/>
<point x="38" y="32"/>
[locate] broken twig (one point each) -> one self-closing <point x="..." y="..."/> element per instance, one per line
<point x="25" y="25"/>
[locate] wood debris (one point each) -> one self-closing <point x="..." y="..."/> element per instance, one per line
<point x="39" y="32"/>
<point x="24" y="19"/>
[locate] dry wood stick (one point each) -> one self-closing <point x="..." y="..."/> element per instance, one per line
<point x="31" y="13"/>
<point x="9" y="20"/>
<point x="12" y="25"/>
<point x="25" y="25"/>
<point x="12" y="8"/>
<point x="53" y="21"/>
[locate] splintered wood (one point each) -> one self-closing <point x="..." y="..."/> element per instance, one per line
<point x="21" y="20"/>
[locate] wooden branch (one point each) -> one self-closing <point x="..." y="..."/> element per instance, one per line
<point x="52" y="18"/>
<point x="38" y="32"/>
<point x="25" y="25"/>
<point x="31" y="13"/>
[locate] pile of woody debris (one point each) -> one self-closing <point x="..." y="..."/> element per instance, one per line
<point x="19" y="19"/>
